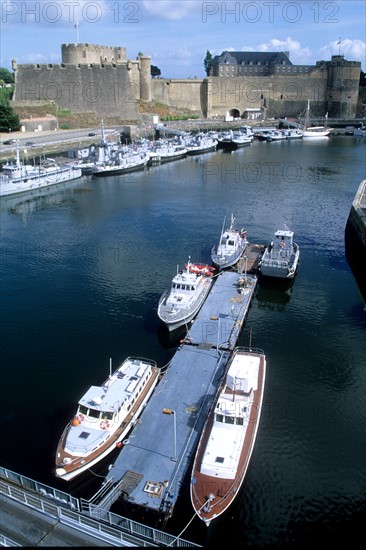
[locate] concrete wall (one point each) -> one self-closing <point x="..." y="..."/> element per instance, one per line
<point x="357" y="216"/>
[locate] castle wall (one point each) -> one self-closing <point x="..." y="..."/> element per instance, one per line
<point x="107" y="90"/>
<point x="329" y="89"/>
<point x="113" y="88"/>
<point x="185" y="94"/>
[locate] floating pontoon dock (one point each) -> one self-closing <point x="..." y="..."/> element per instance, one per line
<point x="155" y="459"/>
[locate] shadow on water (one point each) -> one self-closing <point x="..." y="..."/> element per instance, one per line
<point x="274" y="294"/>
<point x="171" y="339"/>
<point x="356" y="257"/>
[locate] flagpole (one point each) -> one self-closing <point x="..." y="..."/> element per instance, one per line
<point x="340" y="45"/>
<point x="77" y="32"/>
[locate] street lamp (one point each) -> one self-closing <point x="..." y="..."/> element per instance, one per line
<point x="171" y="411"/>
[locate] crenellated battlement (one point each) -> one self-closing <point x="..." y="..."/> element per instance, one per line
<point x="92" y="53"/>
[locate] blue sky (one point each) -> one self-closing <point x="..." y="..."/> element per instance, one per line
<point x="177" y="33"/>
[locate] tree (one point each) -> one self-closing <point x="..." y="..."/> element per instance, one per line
<point x="362" y="79"/>
<point x="155" y="71"/>
<point x="6" y="76"/>
<point x="207" y="62"/>
<point x="8" y="119"/>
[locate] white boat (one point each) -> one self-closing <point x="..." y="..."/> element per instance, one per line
<point x="293" y="133"/>
<point x="121" y="161"/>
<point x="228" y="437"/>
<point x="231" y="246"/>
<point x="281" y="257"/>
<point x="247" y="131"/>
<point x="360" y="132"/>
<point x="201" y="143"/>
<point x="232" y="140"/>
<point x="17" y="177"/>
<point x="165" y="151"/>
<point x="276" y="135"/>
<point x="189" y="289"/>
<point x="315" y="131"/>
<point x="104" y="416"/>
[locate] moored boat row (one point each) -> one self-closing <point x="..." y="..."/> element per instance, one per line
<point x="106" y="414"/>
<point x="19" y="177"/>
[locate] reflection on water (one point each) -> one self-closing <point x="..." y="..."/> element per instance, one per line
<point x="83" y="269"/>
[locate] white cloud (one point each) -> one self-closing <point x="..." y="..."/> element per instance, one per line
<point x="298" y="54"/>
<point x="353" y="50"/>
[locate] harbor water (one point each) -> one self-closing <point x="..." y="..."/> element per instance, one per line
<point x="82" y="270"/>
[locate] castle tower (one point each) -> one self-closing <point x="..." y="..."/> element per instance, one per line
<point x="145" y="77"/>
<point x="342" y="87"/>
<point x="83" y="53"/>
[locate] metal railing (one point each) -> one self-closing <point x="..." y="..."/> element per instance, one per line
<point x="81" y="515"/>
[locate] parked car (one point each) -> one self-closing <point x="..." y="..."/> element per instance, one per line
<point x="91" y="134"/>
<point x="9" y="142"/>
<point x="30" y="143"/>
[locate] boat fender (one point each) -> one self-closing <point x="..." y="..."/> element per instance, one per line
<point x="104" y="424"/>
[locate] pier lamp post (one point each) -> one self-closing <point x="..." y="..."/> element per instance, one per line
<point x="171" y="411"/>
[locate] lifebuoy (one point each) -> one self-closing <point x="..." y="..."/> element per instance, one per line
<point x="282" y="244"/>
<point x="104" y="424"/>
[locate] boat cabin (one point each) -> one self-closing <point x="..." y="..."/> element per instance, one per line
<point x="283" y="241"/>
<point x="118" y="393"/>
<point x="222" y="453"/>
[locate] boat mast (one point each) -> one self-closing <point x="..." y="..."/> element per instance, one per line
<point x="102" y="131"/>
<point x="223" y="228"/>
<point x="307" y="118"/>
<point x="17" y="158"/>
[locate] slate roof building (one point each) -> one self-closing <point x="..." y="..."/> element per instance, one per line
<point x="249" y="63"/>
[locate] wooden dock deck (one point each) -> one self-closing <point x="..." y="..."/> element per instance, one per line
<point x="250" y="259"/>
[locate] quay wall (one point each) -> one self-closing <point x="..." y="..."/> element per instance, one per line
<point x="357" y="218"/>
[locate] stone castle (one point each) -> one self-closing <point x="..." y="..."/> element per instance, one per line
<point x="100" y="79"/>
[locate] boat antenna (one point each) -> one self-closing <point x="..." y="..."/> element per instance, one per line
<point x="250" y="338"/>
<point x="17" y="154"/>
<point x="223" y="227"/>
<point x="110" y="366"/>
